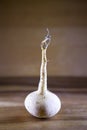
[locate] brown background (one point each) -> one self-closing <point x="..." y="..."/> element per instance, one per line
<point x="23" y="26"/>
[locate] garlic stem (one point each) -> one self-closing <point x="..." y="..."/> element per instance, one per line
<point x="43" y="73"/>
<point x="43" y="70"/>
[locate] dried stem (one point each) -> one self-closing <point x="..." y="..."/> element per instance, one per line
<point x="43" y="70"/>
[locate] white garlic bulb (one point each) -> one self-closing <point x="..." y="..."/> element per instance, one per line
<point x="43" y="103"/>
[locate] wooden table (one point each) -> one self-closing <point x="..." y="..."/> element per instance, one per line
<point x="72" y="116"/>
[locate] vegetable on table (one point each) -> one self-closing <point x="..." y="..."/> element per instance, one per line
<point x="43" y="103"/>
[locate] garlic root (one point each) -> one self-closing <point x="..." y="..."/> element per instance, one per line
<point x="43" y="103"/>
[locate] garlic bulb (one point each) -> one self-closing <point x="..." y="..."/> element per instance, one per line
<point x="43" y="103"/>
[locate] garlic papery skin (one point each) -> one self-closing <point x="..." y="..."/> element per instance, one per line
<point x="43" y="103"/>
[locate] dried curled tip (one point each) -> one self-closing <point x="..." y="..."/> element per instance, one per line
<point x="46" y="41"/>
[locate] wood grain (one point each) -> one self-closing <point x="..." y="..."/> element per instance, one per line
<point x="73" y="114"/>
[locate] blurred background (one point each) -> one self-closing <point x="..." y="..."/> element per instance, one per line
<point x="23" y="26"/>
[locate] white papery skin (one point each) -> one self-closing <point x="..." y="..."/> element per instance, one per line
<point x="42" y="106"/>
<point x="43" y="103"/>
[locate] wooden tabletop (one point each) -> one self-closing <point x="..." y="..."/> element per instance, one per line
<point x="72" y="116"/>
